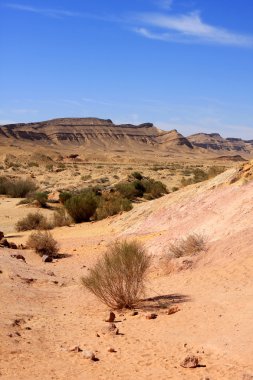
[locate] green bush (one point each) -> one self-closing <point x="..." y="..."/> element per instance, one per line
<point x="42" y="198"/>
<point x="43" y="243"/>
<point x="82" y="207"/>
<point x="127" y="190"/>
<point x="112" y="205"/>
<point x="118" y="278"/>
<point x="155" y="189"/>
<point x="16" y="188"/>
<point x="64" y="196"/>
<point x="147" y="187"/>
<point x="33" y="221"/>
<point x="137" y="175"/>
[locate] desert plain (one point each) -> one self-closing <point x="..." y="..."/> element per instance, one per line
<point x="203" y="303"/>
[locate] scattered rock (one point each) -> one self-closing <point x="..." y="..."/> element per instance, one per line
<point x="134" y="313"/>
<point x="89" y="355"/>
<point x="50" y="273"/>
<point x="75" y="349"/>
<point x="111" y="349"/>
<point x="111" y="318"/>
<point x="47" y="259"/>
<point x="1" y="235"/>
<point x="18" y="322"/>
<point x="111" y="329"/>
<point x="13" y="245"/>
<point x="4" y="243"/>
<point x="151" y="316"/>
<point x="173" y="310"/>
<point x="19" y="257"/>
<point x="190" y="361"/>
<point x="28" y="280"/>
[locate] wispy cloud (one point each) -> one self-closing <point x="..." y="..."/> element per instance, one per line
<point x="57" y="13"/>
<point x="60" y="13"/>
<point x="188" y="28"/>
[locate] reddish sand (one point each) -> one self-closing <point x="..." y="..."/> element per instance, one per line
<point x="214" y="296"/>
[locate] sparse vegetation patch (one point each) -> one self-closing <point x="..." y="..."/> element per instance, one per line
<point x="190" y="246"/>
<point x="43" y="243"/>
<point x="118" y="278"/>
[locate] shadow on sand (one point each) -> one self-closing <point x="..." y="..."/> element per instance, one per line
<point x="162" y="302"/>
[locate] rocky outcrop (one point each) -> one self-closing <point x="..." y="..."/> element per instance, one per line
<point x="215" y="142"/>
<point x="79" y="131"/>
<point x="103" y="134"/>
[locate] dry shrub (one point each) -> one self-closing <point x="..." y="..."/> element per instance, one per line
<point x="190" y="246"/>
<point x="112" y="204"/>
<point x="118" y="277"/>
<point x="61" y="218"/>
<point x="33" y="221"/>
<point x="43" y="243"/>
<point x="16" y="188"/>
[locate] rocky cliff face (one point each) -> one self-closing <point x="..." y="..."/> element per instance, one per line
<point x="88" y="131"/>
<point x="100" y="133"/>
<point x="215" y="142"/>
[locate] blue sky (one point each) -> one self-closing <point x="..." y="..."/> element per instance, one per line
<point x="184" y="64"/>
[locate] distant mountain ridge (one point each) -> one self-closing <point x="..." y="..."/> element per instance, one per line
<point x="103" y="133"/>
<point x="215" y="142"/>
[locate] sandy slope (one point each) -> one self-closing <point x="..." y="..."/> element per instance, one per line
<point x="214" y="296"/>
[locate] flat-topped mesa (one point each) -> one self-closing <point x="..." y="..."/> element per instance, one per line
<point x="95" y="133"/>
<point x="79" y="131"/>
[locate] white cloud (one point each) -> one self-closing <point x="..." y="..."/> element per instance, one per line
<point x="61" y="13"/>
<point x="46" y="12"/>
<point x="188" y="28"/>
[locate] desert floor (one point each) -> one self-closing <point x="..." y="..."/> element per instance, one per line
<point x="45" y="310"/>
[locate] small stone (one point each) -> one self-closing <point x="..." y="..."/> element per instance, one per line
<point x="4" y="243"/>
<point x="111" y="329"/>
<point x="13" y="245"/>
<point x="50" y="273"/>
<point x="19" y="257"/>
<point x="111" y="318"/>
<point x="134" y="313"/>
<point x="1" y="235"/>
<point x="111" y="349"/>
<point x="173" y="310"/>
<point x="47" y="259"/>
<point x="75" y="349"/>
<point x="151" y="316"/>
<point x="190" y="361"/>
<point x="89" y="355"/>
